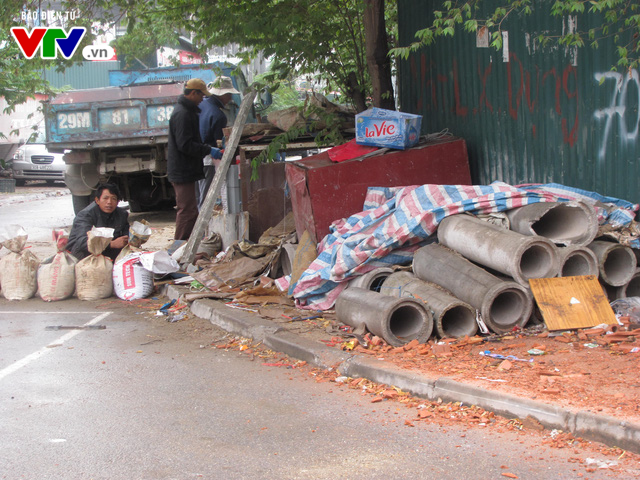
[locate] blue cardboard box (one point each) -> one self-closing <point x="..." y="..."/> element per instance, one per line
<point x="378" y="127"/>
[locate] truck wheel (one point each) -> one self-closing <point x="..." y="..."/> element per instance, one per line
<point x="80" y="202"/>
<point x="134" y="206"/>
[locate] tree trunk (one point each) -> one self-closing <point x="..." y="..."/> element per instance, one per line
<point x="355" y="92"/>
<point x="378" y="60"/>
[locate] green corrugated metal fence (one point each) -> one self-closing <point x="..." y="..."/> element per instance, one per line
<point x="82" y="76"/>
<point x="529" y="113"/>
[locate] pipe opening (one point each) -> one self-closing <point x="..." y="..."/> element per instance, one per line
<point x="536" y="262"/>
<point x="406" y="322"/>
<point x="376" y="283"/>
<point x="507" y="308"/>
<point x="633" y="287"/>
<point x="576" y="265"/>
<point x="618" y="266"/>
<point x="458" y="321"/>
<point x="563" y="222"/>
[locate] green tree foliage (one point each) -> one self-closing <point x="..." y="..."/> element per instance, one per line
<point x="621" y="22"/>
<point x="302" y="37"/>
<point x="324" y="38"/>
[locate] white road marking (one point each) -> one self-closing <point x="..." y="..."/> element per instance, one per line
<point x="40" y="312"/>
<point x="35" y="355"/>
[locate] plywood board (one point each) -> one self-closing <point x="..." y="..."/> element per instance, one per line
<point x="572" y="302"/>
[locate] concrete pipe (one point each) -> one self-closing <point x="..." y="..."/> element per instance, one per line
<point x="616" y="263"/>
<point x="397" y="320"/>
<point x="503" y="305"/>
<point x="287" y="255"/>
<point x="452" y="318"/>
<point x="519" y="256"/>
<point x="577" y="261"/>
<point x="631" y="288"/>
<point x="564" y="223"/>
<point x="371" y="280"/>
<point x="610" y="292"/>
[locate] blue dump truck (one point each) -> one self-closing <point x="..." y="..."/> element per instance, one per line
<point x="119" y="134"/>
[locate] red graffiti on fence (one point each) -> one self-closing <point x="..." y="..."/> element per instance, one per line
<point x="523" y="88"/>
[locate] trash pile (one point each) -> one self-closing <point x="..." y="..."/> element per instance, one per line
<point x="444" y="261"/>
<point x="95" y="277"/>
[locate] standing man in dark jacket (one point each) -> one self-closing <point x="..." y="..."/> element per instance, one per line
<point x="104" y="212"/>
<point x="186" y="151"/>
<point x="212" y="120"/>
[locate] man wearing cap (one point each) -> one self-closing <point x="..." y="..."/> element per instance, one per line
<point x="212" y="121"/>
<point x="186" y="151"/>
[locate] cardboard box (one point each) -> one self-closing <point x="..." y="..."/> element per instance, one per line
<point x="377" y="127"/>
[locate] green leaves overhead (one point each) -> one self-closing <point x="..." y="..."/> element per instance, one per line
<point x="615" y="19"/>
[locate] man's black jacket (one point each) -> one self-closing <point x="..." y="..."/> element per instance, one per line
<point x="92" y="216"/>
<point x="186" y="150"/>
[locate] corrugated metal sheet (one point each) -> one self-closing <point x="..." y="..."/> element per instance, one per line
<point x="529" y="113"/>
<point x="82" y="76"/>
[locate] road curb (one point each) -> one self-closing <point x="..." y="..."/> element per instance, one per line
<point x="601" y="428"/>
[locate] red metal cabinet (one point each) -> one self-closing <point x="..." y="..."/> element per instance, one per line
<point x="323" y="191"/>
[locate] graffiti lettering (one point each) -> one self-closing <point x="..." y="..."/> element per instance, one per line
<point x="617" y="108"/>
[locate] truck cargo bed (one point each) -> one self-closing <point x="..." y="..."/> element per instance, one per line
<point x="111" y="116"/>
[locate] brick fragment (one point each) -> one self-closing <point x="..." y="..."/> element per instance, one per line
<point x="505" y="365"/>
<point x="412" y="344"/>
<point x="562" y="339"/>
<point x="442" y="350"/>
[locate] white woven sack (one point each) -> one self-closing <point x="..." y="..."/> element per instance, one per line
<point x="93" y="273"/>
<point x="93" y="277"/>
<point x="131" y="280"/>
<point x="57" y="277"/>
<point x="18" y="273"/>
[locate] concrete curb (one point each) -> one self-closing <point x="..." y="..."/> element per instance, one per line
<point x="601" y="428"/>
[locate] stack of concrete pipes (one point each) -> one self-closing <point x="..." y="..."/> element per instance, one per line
<point x="478" y="269"/>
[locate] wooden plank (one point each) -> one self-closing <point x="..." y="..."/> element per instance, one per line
<point x="572" y="302"/>
<point x="289" y="146"/>
<point x="216" y="185"/>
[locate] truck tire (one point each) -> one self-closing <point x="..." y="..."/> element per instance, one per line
<point x="80" y="202"/>
<point x="134" y="206"/>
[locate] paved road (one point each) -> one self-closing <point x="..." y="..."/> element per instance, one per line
<point x="38" y="212"/>
<point x="148" y="399"/>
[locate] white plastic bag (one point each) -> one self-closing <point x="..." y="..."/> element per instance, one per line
<point x="139" y="234"/>
<point x="93" y="273"/>
<point x="18" y="269"/>
<point x="57" y="274"/>
<point x="159" y="262"/>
